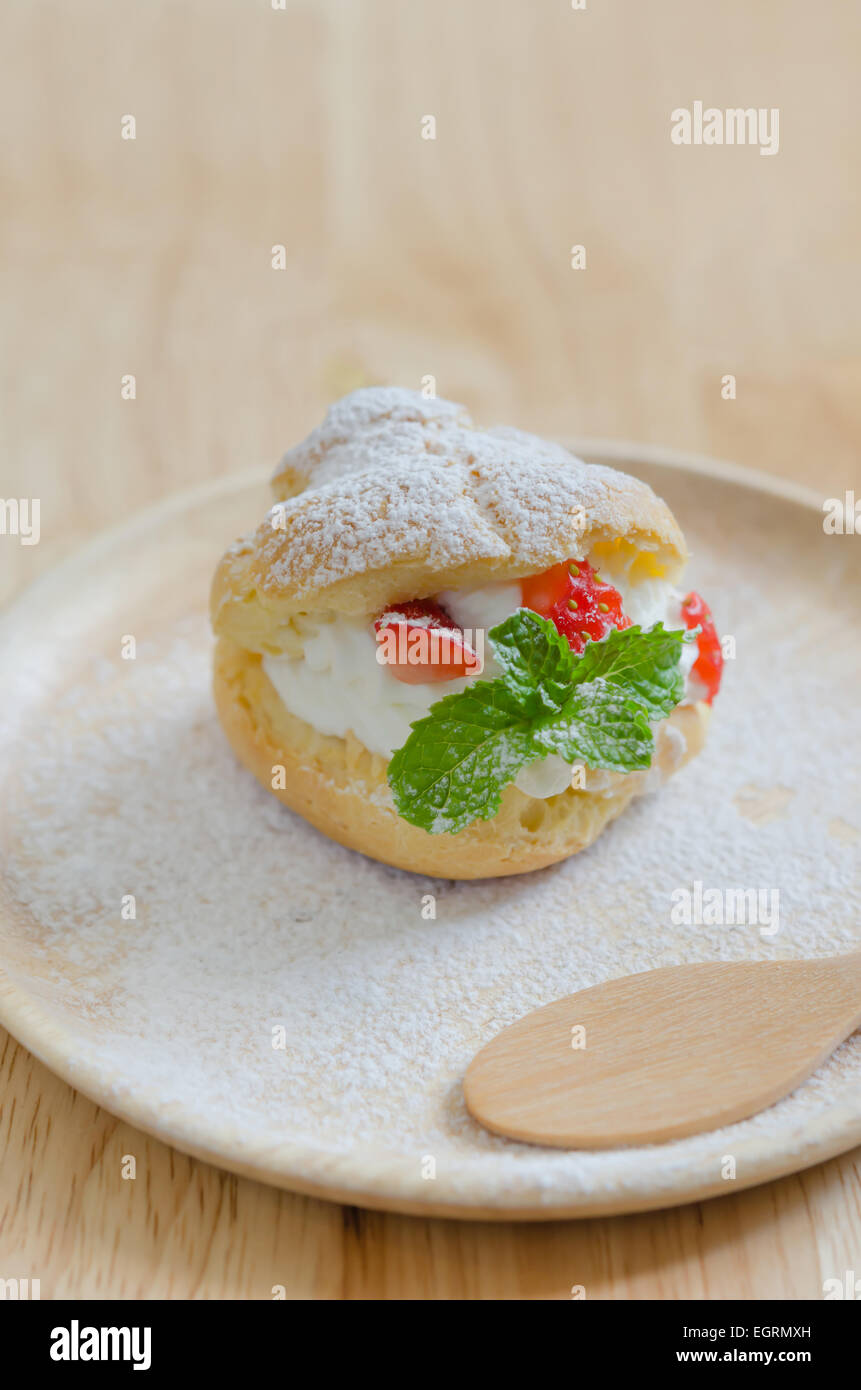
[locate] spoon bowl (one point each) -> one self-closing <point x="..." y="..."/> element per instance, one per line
<point x="664" y="1054"/>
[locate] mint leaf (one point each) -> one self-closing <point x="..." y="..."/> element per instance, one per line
<point x="537" y="662"/>
<point x="455" y="763"/>
<point x="595" y="708"/>
<point x="597" y="725"/>
<point x="644" y="664"/>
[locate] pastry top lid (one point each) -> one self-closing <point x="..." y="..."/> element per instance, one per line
<point x="380" y="426"/>
<point x="417" y="505"/>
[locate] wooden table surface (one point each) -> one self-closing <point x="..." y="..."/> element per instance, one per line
<point x="258" y="127"/>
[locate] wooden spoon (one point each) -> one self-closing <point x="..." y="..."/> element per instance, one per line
<point x="664" y="1054"/>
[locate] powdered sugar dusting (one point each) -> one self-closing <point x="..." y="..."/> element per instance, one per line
<point x="377" y="425"/>
<point x="500" y="507"/>
<point x="249" y="921"/>
<point x="390" y="427"/>
<point x="393" y="479"/>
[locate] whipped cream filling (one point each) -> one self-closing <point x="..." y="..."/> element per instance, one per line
<point x="336" y="684"/>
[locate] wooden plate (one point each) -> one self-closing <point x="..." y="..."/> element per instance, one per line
<point x="290" y="1011"/>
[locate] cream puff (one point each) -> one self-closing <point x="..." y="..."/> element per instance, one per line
<point x="460" y="652"/>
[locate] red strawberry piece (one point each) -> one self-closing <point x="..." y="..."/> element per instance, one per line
<point x="580" y="604"/>
<point x="419" y="643"/>
<point x="708" y="667"/>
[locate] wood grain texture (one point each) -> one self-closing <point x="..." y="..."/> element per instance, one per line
<point x="406" y="257"/>
<point x="665" y="1053"/>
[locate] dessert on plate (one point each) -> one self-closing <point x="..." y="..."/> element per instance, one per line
<point x="462" y="652"/>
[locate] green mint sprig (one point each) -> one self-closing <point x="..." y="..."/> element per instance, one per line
<point x="595" y="708"/>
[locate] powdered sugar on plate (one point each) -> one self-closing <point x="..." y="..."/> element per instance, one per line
<point x="274" y="989"/>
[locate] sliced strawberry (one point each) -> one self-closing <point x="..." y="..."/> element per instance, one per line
<point x="419" y="643"/>
<point x="580" y="604"/>
<point x="708" y="667"/>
